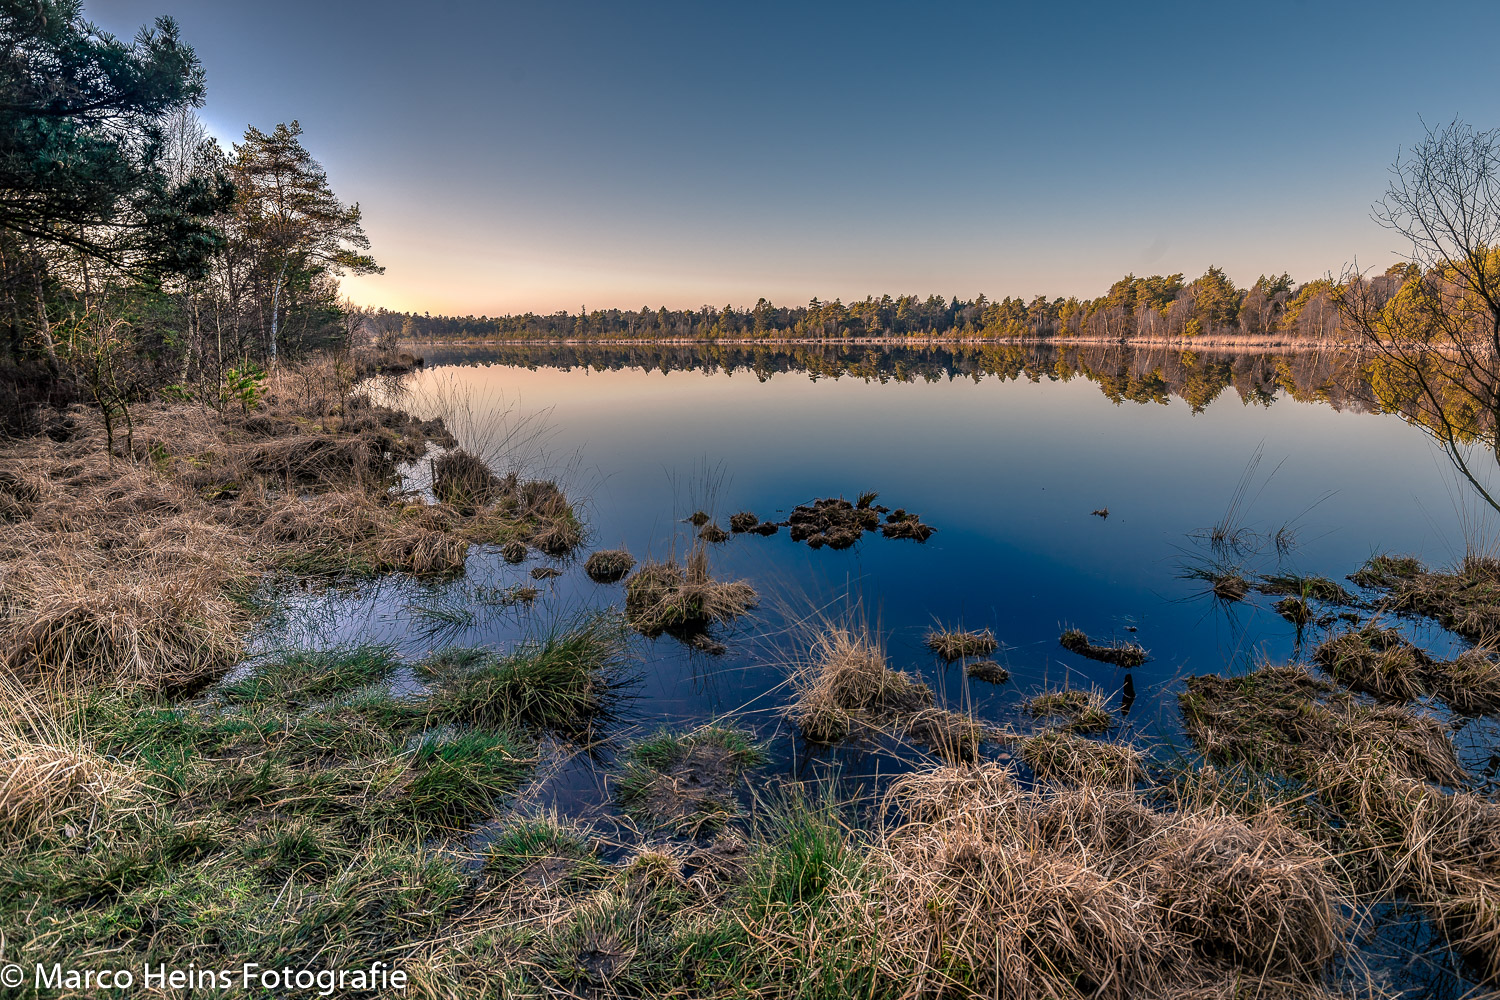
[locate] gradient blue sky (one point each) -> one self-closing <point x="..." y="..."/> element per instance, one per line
<point x="537" y="156"/>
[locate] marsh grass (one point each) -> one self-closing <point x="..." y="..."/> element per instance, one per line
<point x="1121" y="654"/>
<point x="1073" y="709"/>
<point x="1465" y="600"/>
<point x="986" y="670"/>
<point x="1064" y="758"/>
<point x="301" y="677"/>
<point x="559" y="681"/>
<point x="686" y="782"/>
<point x="682" y="600"/>
<point x="1384" y="664"/>
<point x="458" y="778"/>
<point x="609" y="565"/>
<point x="844" y="684"/>
<point x="542" y="853"/>
<point x="1226" y="582"/>
<point x="1088" y="891"/>
<point x="1312" y="588"/>
<point x="953" y="644"/>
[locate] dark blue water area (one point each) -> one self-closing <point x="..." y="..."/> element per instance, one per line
<point x="1009" y="471"/>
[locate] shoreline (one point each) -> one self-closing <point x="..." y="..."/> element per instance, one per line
<point x="1208" y="343"/>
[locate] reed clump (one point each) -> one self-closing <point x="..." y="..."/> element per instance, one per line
<point x="665" y="597"/>
<point x="955" y="645"/>
<point x="1121" y="654"/>
<point x="1073" y="709"/>
<point x="988" y="889"/>
<point x="1063" y="758"/>
<point x="609" y="565"/>
<point x="844" y="685"/>
<point x="1465" y="600"/>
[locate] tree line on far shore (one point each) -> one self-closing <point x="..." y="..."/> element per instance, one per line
<point x="1154" y="307"/>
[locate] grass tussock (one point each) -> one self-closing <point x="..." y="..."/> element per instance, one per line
<point x="665" y="597"/>
<point x="609" y="565"/>
<point x="560" y="681"/>
<point x="743" y="521"/>
<point x="1121" y="654"/>
<point x="1382" y="663"/>
<point x="1073" y="709"/>
<point x="987" y="670"/>
<point x="845" y="685"/>
<point x="955" y="645"/>
<point x="685" y="782"/>
<point x="1063" y="758"/>
<point x="1286" y="719"/>
<point x="1465" y="600"/>
<point x="1310" y="588"/>
<point x="158" y="632"/>
<point x="988" y="889"/>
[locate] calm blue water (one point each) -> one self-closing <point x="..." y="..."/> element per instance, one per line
<point x="1008" y="469"/>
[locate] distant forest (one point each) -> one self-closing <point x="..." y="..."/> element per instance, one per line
<point x="1160" y="306"/>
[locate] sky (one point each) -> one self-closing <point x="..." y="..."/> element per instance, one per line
<point x="513" y="157"/>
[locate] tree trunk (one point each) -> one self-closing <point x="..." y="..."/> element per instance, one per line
<point x="275" y="307"/>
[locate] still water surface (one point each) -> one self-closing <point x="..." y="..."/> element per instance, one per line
<point x="1008" y="466"/>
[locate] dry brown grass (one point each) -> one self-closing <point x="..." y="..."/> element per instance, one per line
<point x="1382" y="663"/>
<point x="159" y="632"/>
<point x="51" y="782"/>
<point x="1286" y="719"/>
<point x="953" y="644"/>
<point x="844" y="684"/>
<point x="1068" y="759"/>
<point x="1465" y="600"/>
<point x="665" y="597"/>
<point x="1073" y="709"/>
<point x="115" y="568"/>
<point x="992" y="890"/>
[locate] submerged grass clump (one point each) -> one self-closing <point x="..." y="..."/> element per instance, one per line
<point x="1073" y="709"/>
<point x="686" y="782"/>
<point x="743" y="521"/>
<point x="955" y="645"/>
<point x="609" y="565"/>
<point x="1226" y="583"/>
<point x="987" y="670"/>
<point x="1121" y="654"/>
<point x="1311" y="588"/>
<point x="1286" y="719"/>
<point x="302" y="676"/>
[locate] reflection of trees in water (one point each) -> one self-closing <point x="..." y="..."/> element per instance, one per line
<point x="1123" y="373"/>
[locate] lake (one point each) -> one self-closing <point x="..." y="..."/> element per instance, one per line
<point x="1008" y="453"/>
